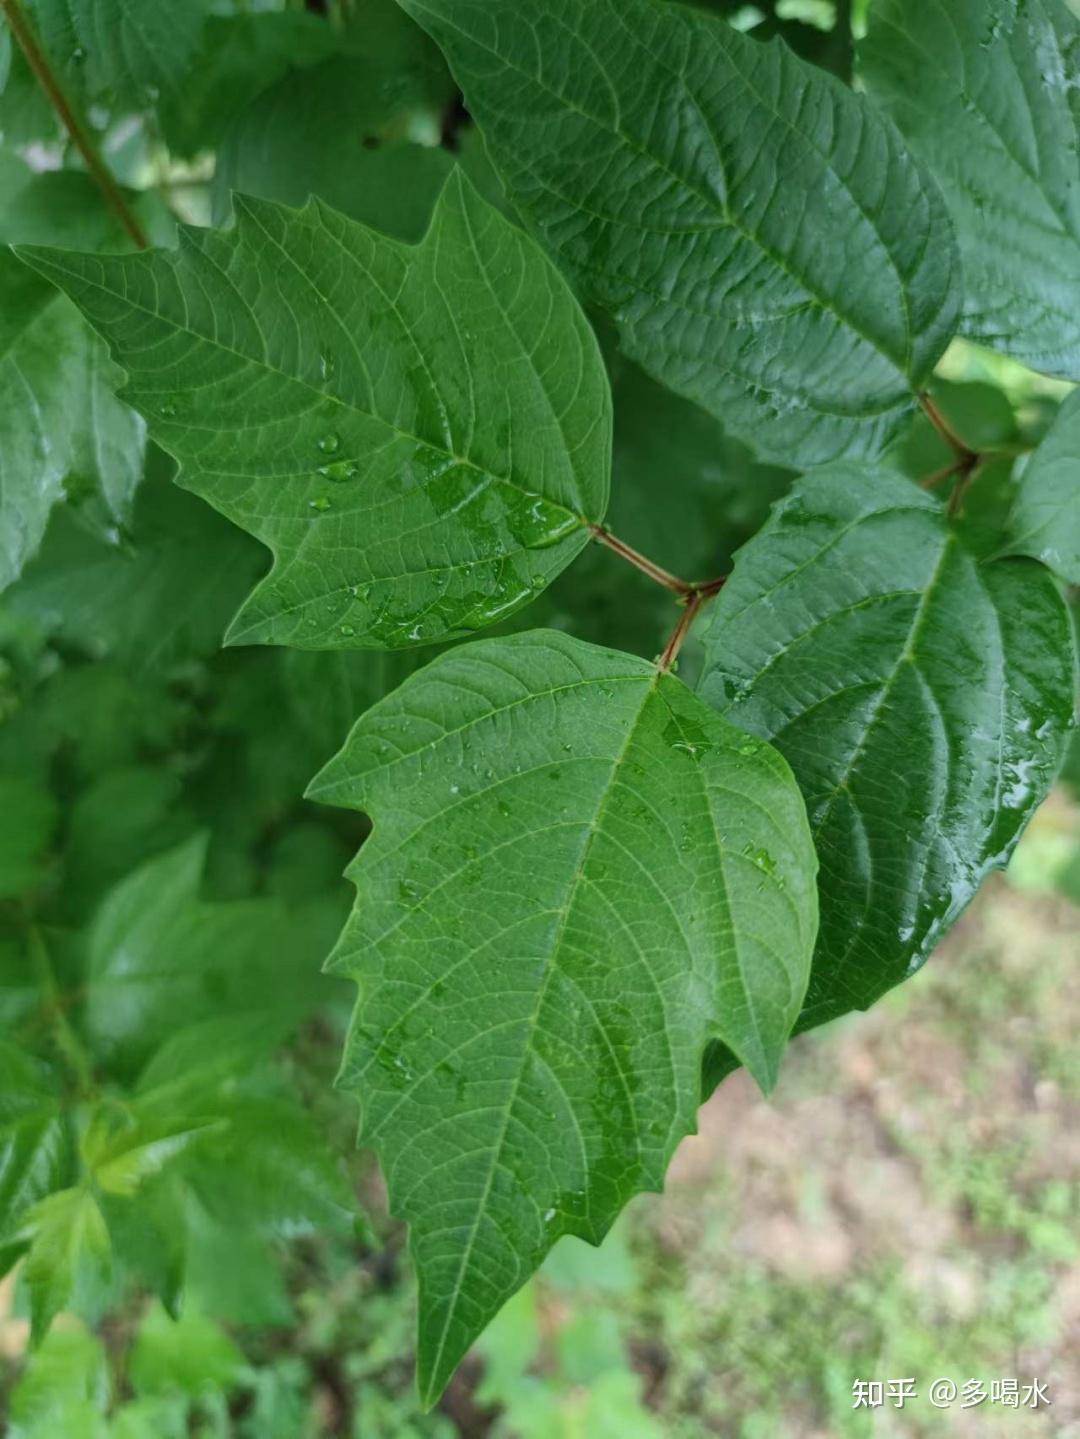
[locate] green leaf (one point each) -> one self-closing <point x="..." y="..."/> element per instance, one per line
<point x="161" y="591"/>
<point x="122" y="1159"/>
<point x="278" y="151"/>
<point x="578" y="876"/>
<point x="27" y="821"/>
<point x="764" y="240"/>
<point x="160" y="958"/>
<point x="420" y="434"/>
<point x="120" y="821"/>
<point x="984" y="90"/>
<point x="68" y="1369"/>
<point x="188" y="1355"/>
<point x="239" y="57"/>
<point x="291" y="1180"/>
<point x="59" y="419"/>
<point x="383" y="101"/>
<point x="1045" y="517"/>
<point x="133" y="51"/>
<point x="69" y="1246"/>
<point x="922" y="698"/>
<point x="35" y="1140"/>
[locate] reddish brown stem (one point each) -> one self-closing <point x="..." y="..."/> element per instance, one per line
<point x="700" y="597"/>
<point x="939" y="477"/>
<point x="641" y="562"/>
<point x="80" y="133"/>
<point x="962" y="451"/>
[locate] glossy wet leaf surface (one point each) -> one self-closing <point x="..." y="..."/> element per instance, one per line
<point x="420" y="434"/>
<point x="764" y="240"/>
<point x="578" y="876"/>
<point x="923" y="699"/>
<point x="985" y="91"/>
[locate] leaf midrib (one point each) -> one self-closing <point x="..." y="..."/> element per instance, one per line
<point x="727" y="218"/>
<point x="347" y="405"/>
<point x="650" y="688"/>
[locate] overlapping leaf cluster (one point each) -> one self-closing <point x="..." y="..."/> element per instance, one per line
<point x="569" y="268"/>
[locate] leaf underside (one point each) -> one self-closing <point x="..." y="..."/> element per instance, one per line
<point x="578" y="877"/>
<point x="922" y="698"/>
<point x="985" y="92"/>
<point x="321" y="386"/>
<point x="765" y="241"/>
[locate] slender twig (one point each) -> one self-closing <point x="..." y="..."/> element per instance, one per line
<point x="662" y="577"/>
<point x="959" y="448"/>
<point x="939" y="477"/>
<point x="965" y="475"/>
<point x="690" y="613"/>
<point x="78" y="130"/>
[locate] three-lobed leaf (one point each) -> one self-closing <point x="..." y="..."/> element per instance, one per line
<point x="578" y="877"/>
<point x="922" y="696"/>
<point x="421" y="434"/>
<point x="984" y="90"/>
<point x="762" y="236"/>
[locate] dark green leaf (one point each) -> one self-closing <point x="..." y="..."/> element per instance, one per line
<point x="578" y="876"/>
<point x="27" y="821"/>
<point x="162" y="591"/>
<point x="239" y="57"/>
<point x="921" y="697"/>
<point x="377" y="108"/>
<point x="134" y="51"/>
<point x="764" y="240"/>
<point x="1045" y="518"/>
<point x="421" y="434"/>
<point x="985" y="91"/>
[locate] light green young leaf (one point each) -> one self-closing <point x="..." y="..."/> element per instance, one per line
<point x="121" y="1161"/>
<point x="69" y="1246"/>
<point x="1045" y="517"/>
<point x="188" y="1355"/>
<point x="68" y="1371"/>
<point x="420" y="434"/>
<point x="922" y="697"/>
<point x="578" y="876"/>
<point x="985" y="92"/>
<point x="763" y="238"/>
